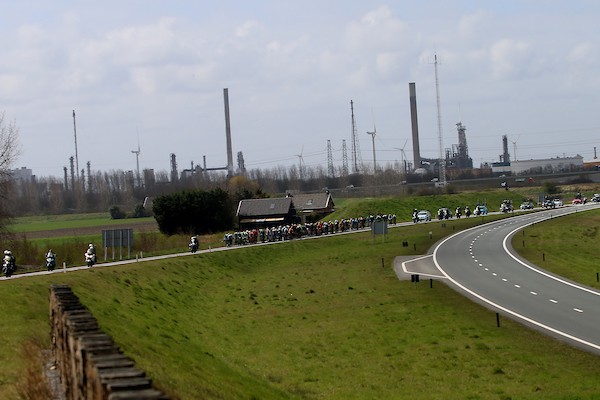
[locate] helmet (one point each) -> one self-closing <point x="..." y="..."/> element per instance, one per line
<point x="7" y="252"/>
<point x="90" y="245"/>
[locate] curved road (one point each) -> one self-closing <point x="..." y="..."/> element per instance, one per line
<point x="481" y="263"/>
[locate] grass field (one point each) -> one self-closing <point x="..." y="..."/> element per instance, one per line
<point x="71" y="221"/>
<point x="567" y="246"/>
<point x="311" y="319"/>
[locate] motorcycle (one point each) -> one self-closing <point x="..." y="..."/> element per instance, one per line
<point x="193" y="245"/>
<point x="50" y="262"/>
<point x="90" y="259"/>
<point x="8" y="266"/>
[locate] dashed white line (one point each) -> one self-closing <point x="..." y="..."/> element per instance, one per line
<point x="517" y="286"/>
<point x="578" y="310"/>
<point x="553" y="301"/>
<point x="533" y="293"/>
<point x="504" y="280"/>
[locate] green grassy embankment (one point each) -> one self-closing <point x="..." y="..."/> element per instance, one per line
<point x="311" y="319"/>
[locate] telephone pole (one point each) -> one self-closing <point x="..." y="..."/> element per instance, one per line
<point x="76" y="155"/>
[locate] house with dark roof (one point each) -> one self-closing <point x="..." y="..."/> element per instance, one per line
<point x="313" y="206"/>
<point x="254" y="213"/>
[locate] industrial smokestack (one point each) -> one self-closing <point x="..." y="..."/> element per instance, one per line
<point x="415" y="125"/>
<point x="505" y="155"/>
<point x="228" y="134"/>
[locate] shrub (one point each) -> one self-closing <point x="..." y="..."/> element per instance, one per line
<point x="193" y="212"/>
<point x="551" y="187"/>
<point x="116" y="213"/>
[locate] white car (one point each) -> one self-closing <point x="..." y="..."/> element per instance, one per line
<point x="424" y="215"/>
<point x="557" y="202"/>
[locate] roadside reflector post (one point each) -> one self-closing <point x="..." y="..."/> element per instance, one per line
<point x="597" y="277"/>
<point x="523" y="243"/>
<point x="430" y="283"/>
<point x="64" y="267"/>
<point x="543" y="256"/>
<point x="430" y="234"/>
<point x="498" y="320"/>
<point x="382" y="265"/>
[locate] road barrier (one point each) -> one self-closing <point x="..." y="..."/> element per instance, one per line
<point x="91" y="366"/>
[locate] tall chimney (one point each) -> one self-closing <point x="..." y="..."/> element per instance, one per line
<point x="505" y="155"/>
<point x="228" y="134"/>
<point x="415" y="125"/>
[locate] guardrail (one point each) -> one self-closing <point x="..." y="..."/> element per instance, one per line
<point x="91" y="366"/>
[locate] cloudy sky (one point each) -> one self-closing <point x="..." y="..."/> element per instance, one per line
<point x="154" y="71"/>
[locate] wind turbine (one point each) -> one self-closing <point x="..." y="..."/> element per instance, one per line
<point x="373" y="140"/>
<point x="301" y="162"/>
<point x="403" y="154"/>
<point x="137" y="162"/>
<point x="515" y="147"/>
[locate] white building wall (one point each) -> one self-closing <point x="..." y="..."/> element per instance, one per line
<point x="547" y="165"/>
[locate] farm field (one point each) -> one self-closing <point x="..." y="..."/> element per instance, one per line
<point x="306" y="319"/>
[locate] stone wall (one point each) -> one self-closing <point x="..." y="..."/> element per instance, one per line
<point x="90" y="364"/>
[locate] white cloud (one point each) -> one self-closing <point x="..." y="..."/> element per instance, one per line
<point x="509" y="59"/>
<point x="248" y="28"/>
<point x="291" y="74"/>
<point x="473" y="24"/>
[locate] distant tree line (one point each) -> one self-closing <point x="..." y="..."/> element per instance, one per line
<point x="99" y="191"/>
<point x="9" y="151"/>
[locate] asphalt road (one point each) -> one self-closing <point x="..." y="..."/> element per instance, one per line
<point x="481" y="263"/>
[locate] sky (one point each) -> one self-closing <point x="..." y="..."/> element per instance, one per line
<point x="152" y="73"/>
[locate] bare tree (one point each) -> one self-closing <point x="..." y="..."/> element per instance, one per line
<point x="9" y="151"/>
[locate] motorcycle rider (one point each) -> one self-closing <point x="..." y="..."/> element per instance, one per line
<point x="9" y="264"/>
<point x="193" y="244"/>
<point x="50" y="260"/>
<point x="90" y="255"/>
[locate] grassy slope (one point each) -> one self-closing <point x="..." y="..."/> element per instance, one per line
<point x="403" y="206"/>
<point x="567" y="246"/>
<point x="308" y="319"/>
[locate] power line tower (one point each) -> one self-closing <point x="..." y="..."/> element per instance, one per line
<point x="89" y="175"/>
<point x="241" y="163"/>
<point x="356" y="158"/>
<point x="330" y="170"/>
<point x="442" y="162"/>
<point x="344" y="158"/>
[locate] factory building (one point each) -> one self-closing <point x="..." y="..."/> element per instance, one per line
<point x="540" y="166"/>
